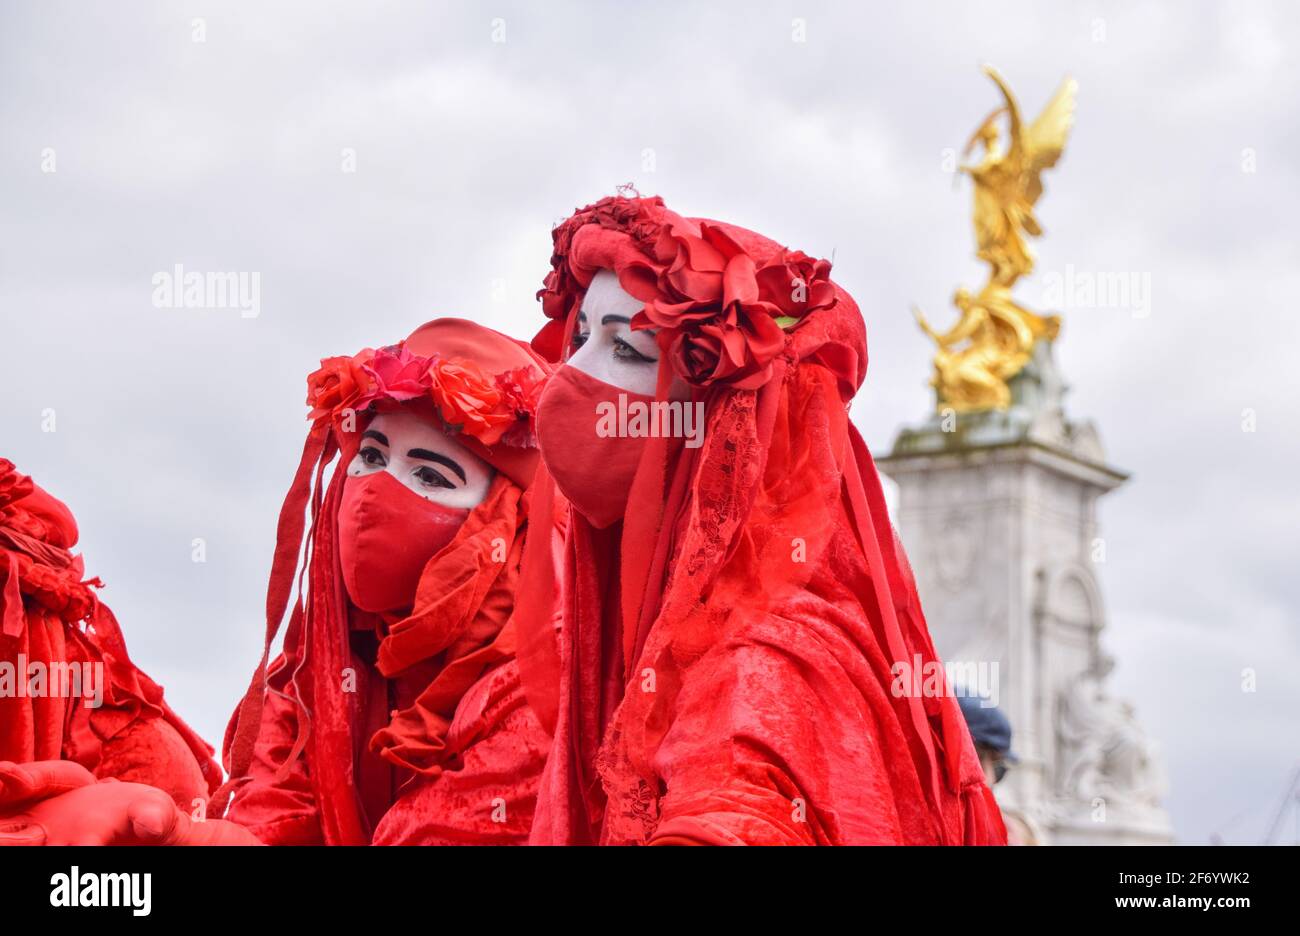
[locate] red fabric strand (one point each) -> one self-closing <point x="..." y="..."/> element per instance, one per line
<point x="288" y="542"/>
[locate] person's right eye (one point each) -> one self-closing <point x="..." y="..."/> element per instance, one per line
<point x="373" y="457"/>
<point x="579" y="339"/>
<point x="625" y="351"/>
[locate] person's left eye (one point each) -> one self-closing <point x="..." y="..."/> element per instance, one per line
<point x="624" y="350"/>
<point x="430" y="478"/>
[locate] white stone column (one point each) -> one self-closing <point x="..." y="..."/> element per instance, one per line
<point x="997" y="511"/>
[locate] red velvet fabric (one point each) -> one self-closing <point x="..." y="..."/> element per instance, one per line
<point x="405" y="728"/>
<point x="52" y="618"/>
<point x="722" y="673"/>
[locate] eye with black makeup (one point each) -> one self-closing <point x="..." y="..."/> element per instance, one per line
<point x="370" y="455"/>
<point x="625" y="351"/>
<point x="373" y="457"/>
<point x="622" y="349"/>
<point x="433" y="478"/>
<point x="430" y="478"/>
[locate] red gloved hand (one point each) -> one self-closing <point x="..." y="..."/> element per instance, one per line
<point x="109" y="813"/>
<point x="22" y="784"/>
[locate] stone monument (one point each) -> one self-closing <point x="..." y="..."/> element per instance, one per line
<point x="997" y="509"/>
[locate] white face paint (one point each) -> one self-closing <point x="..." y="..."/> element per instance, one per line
<point x="415" y="450"/>
<point x="607" y="347"/>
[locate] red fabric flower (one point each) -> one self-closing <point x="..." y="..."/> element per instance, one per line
<point x="490" y="408"/>
<point x="520" y="389"/>
<point x="713" y="322"/>
<point x="399" y="375"/>
<point x="339" y="384"/>
<point x="796" y="285"/>
<point x="468" y="400"/>
<point x="633" y="216"/>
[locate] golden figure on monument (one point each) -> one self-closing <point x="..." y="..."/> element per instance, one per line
<point x="995" y="336"/>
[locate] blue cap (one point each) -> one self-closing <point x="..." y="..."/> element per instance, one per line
<point x="987" y="724"/>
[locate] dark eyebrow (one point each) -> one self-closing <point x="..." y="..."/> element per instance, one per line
<point x="377" y="436"/>
<point x="621" y="319"/>
<point x="440" y="459"/>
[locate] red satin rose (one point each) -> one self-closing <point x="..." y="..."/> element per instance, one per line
<point x="796" y="285"/>
<point x="722" y="318"/>
<point x="338" y="384"/>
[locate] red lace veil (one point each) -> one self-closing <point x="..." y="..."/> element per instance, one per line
<point x="465" y="595"/>
<point x="778" y="517"/>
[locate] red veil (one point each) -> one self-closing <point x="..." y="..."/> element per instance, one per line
<point x="723" y="672"/>
<point x="50" y="616"/>
<point x="314" y="758"/>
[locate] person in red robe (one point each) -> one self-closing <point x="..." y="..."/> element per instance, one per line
<point x="395" y="713"/>
<point x="739" y="621"/>
<point x="74" y="708"/>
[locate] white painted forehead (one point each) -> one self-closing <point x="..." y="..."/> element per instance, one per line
<point x="606" y="297"/>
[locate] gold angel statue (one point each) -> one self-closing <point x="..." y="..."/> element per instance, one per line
<point x="995" y="336"/>
<point x="1001" y="335"/>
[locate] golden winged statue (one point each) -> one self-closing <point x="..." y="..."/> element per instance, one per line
<point x="995" y="336"/>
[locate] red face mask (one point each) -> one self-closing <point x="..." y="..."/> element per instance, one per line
<point x="592" y="470"/>
<point x="387" y="535"/>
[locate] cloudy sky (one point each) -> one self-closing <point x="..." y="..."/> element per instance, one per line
<point x="473" y="127"/>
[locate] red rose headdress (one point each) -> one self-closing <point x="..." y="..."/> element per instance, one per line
<point x="492" y="409"/>
<point x="724" y="308"/>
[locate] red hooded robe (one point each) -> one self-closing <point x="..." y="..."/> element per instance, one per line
<point x="724" y="670"/>
<point x="397" y="729"/>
